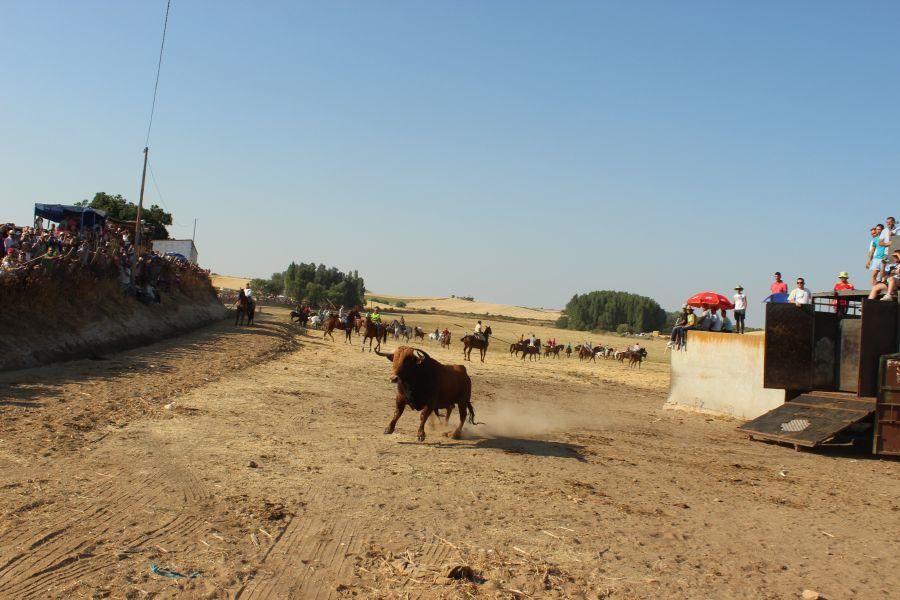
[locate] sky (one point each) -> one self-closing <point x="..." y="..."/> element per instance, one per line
<point x="516" y="151"/>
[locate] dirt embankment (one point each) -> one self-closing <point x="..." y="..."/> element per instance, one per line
<point x="45" y="323"/>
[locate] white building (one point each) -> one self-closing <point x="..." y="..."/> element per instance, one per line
<point x="184" y="247"/>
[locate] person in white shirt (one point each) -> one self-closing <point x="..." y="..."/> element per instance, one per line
<point x="800" y="295"/>
<point x="532" y="341"/>
<point x="715" y="321"/>
<point x="249" y="293"/>
<point x="740" y="309"/>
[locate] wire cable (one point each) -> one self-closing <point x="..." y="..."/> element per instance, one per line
<point x="156" y="185"/>
<point x="162" y="45"/>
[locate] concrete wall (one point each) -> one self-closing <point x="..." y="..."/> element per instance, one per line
<point x="184" y="247"/>
<point x="722" y="373"/>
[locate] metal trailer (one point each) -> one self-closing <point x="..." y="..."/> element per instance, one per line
<point x="828" y="358"/>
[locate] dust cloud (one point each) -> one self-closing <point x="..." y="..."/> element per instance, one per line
<point x="520" y="419"/>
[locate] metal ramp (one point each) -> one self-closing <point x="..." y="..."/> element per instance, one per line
<point x="812" y="419"/>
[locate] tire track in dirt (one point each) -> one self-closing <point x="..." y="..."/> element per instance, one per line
<point x="41" y="558"/>
<point x="308" y="560"/>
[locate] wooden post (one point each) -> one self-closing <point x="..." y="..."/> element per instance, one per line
<point x="138" y="230"/>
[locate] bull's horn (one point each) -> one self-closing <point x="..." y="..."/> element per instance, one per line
<point x="423" y="356"/>
<point x="389" y="356"/>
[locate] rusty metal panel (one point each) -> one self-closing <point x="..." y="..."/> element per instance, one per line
<point x="811" y="419"/>
<point x="848" y="372"/>
<point x="825" y="350"/>
<point x="790" y="333"/>
<point x="877" y="338"/>
<point x="887" y="411"/>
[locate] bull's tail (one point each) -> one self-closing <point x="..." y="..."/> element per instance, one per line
<point x="469" y="406"/>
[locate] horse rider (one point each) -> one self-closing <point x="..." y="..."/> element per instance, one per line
<point x="445" y="334"/>
<point x="521" y="337"/>
<point x="402" y="321"/>
<point x="479" y="331"/>
<point x="342" y="315"/>
<point x="532" y="341"/>
<point x="375" y="317"/>
<point x="249" y="293"/>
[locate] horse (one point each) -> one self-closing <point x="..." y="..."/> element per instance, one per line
<point x="373" y="331"/>
<point x="333" y="322"/>
<point x="434" y="336"/>
<point x="302" y="317"/>
<point x="419" y="333"/>
<point x="554" y="351"/>
<point x="470" y="341"/>
<point x="245" y="306"/>
<point x="445" y="343"/>
<point x="585" y="353"/>
<point x="399" y="330"/>
<point x="517" y="347"/>
<point x="568" y="351"/>
<point x="532" y="351"/>
<point x="635" y="357"/>
<point x="315" y="321"/>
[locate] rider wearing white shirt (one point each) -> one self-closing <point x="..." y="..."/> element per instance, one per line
<point x="249" y="293"/>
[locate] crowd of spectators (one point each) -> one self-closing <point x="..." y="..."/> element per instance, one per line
<point x="37" y="254"/>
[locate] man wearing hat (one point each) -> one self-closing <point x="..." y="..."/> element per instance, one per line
<point x="842" y="284"/>
<point x="740" y="309"/>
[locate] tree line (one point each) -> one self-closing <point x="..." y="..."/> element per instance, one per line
<point x="316" y="285"/>
<point x="613" y="311"/>
<point x="119" y="209"/>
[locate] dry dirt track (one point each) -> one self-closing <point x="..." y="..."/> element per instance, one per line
<point x="577" y="486"/>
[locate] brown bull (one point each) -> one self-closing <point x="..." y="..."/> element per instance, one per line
<point x="426" y="385"/>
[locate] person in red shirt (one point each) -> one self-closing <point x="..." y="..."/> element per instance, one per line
<point x="778" y="287"/>
<point x="843" y="283"/>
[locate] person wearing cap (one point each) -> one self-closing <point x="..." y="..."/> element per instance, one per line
<point x="841" y="304"/>
<point x="778" y="286"/>
<point x="740" y="309"/>
<point x="9" y="261"/>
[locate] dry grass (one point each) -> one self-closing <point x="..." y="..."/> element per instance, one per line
<point x="228" y="282"/>
<point x="456" y="305"/>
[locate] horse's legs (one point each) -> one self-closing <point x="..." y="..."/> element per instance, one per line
<point x="426" y="412"/>
<point x="400" y="404"/>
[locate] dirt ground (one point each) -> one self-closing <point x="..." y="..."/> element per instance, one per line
<point x="255" y="460"/>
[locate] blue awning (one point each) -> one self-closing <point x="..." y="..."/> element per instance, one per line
<point x="87" y="217"/>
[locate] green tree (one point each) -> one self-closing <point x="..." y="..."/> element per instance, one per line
<point x="607" y="310"/>
<point x="117" y="207"/>
<point x="317" y="285"/>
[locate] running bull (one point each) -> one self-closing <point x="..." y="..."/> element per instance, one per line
<point x="426" y="385"/>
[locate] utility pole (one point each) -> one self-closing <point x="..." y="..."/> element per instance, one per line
<point x="194" y="235"/>
<point x="138" y="230"/>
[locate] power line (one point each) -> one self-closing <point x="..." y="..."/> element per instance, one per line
<point x="162" y="45"/>
<point x="156" y="185"/>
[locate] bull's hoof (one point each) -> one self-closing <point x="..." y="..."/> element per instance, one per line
<point x="421" y="437"/>
<point x="388" y="431"/>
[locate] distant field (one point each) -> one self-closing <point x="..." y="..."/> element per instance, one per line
<point x="455" y="305"/>
<point x="228" y="282"/>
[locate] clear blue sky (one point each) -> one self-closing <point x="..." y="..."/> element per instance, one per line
<point x="516" y="151"/>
